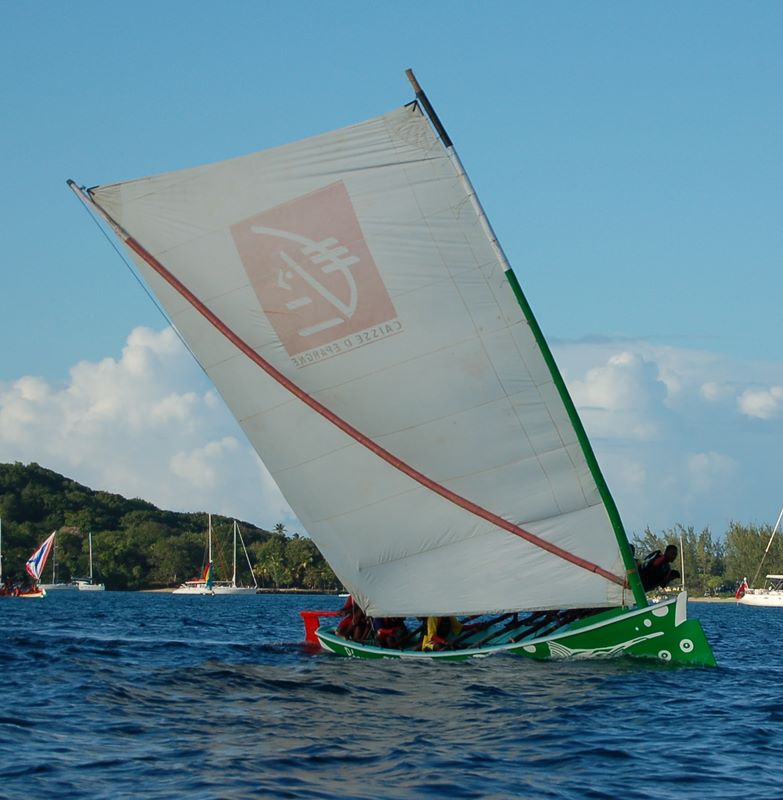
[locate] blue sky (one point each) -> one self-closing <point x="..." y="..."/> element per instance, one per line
<point x="628" y="155"/>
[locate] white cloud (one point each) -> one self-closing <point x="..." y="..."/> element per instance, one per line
<point x="621" y="398"/>
<point x="761" y="403"/>
<point x="709" y="471"/>
<point x="197" y="466"/>
<point x="669" y="426"/>
<point x="145" y="425"/>
<point x="715" y="392"/>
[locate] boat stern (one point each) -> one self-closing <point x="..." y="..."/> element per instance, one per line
<point x="661" y="632"/>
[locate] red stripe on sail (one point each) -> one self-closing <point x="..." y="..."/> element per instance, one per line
<point x="354" y="433"/>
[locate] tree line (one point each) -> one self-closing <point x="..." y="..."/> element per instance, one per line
<point x="717" y="566"/>
<point x="137" y="545"/>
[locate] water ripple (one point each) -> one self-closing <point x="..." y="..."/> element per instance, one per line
<point x="122" y="696"/>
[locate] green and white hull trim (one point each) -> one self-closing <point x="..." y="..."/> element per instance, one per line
<point x="659" y="632"/>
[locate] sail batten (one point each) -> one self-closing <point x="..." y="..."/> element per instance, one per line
<point x="355" y="270"/>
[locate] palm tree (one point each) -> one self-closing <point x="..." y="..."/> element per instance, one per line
<point x="280" y="528"/>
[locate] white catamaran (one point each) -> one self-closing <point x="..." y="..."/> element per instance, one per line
<point x="349" y="299"/>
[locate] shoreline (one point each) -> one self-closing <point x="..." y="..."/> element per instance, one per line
<point x="712" y="600"/>
<point x="337" y="594"/>
<point x="334" y="592"/>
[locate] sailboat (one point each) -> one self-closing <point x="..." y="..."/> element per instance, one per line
<point x="34" y="566"/>
<point x="203" y="584"/>
<point x="232" y="587"/>
<point x="772" y="593"/>
<point x="352" y="304"/>
<point x="56" y="585"/>
<point x="89" y="584"/>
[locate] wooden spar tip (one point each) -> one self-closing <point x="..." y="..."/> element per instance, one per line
<point x="414" y="82"/>
<point x="74" y="187"/>
<point x="85" y="192"/>
<point x="86" y="197"/>
<point x="80" y="191"/>
<point x="429" y="110"/>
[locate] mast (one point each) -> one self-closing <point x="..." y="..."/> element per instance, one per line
<point x="234" y="576"/>
<point x="209" y="538"/>
<point x="682" y="563"/>
<point x="1" y="550"/>
<point x="89" y="535"/>
<point x="769" y="544"/>
<point x="632" y="572"/>
<point x="247" y="557"/>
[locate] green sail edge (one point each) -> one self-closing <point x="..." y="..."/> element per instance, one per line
<point x="632" y="573"/>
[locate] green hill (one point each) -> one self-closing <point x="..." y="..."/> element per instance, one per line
<point x="135" y="544"/>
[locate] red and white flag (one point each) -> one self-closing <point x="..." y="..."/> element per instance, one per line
<point x="742" y="587"/>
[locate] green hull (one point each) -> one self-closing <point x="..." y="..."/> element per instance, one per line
<point x="661" y="632"/>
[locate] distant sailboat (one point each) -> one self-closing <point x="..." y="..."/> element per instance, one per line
<point x="349" y="299"/>
<point x="206" y="584"/>
<point x="203" y="584"/>
<point x="56" y="585"/>
<point x="232" y="587"/>
<point x="770" y="595"/>
<point x="89" y="584"/>
<point x="35" y="566"/>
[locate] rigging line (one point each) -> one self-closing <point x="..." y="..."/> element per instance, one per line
<point x="123" y="255"/>
<point x="330" y="416"/>
<point x="769" y="544"/>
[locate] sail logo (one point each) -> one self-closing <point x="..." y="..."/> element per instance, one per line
<point x="314" y="275"/>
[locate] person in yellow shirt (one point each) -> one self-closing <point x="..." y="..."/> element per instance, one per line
<point x="438" y="632"/>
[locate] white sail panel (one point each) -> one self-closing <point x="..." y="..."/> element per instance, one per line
<point x="355" y="264"/>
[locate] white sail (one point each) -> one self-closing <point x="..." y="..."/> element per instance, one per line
<point x="417" y="432"/>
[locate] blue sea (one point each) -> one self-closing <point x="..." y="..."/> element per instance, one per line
<point x="122" y="695"/>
